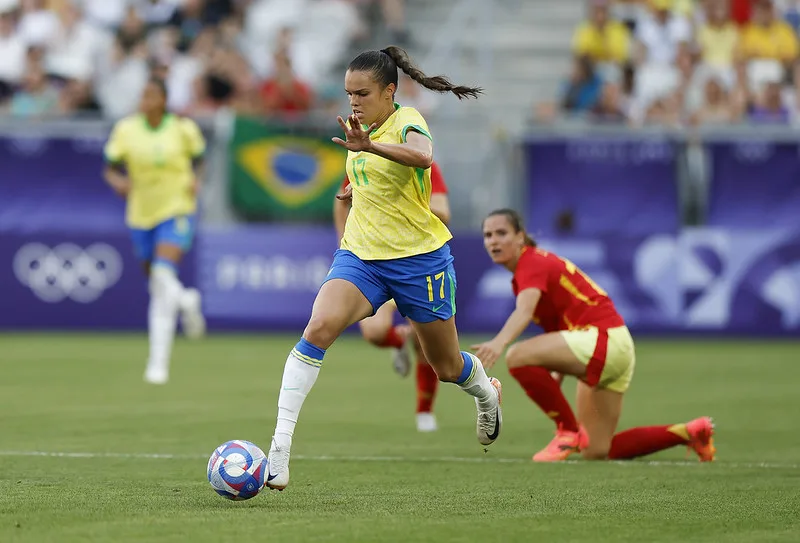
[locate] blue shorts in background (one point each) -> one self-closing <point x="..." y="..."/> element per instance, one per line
<point x="176" y="231"/>
<point x="423" y="286"/>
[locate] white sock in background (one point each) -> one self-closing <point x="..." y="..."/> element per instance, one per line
<point x="165" y="292"/>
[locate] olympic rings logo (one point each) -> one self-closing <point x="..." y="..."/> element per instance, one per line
<point x="67" y="271"/>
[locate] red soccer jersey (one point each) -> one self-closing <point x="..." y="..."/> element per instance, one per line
<point x="570" y="299"/>
<point x="437" y="181"/>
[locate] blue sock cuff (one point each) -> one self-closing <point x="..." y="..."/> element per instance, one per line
<point x="469" y="368"/>
<point x="309" y="353"/>
<point x="164" y="263"/>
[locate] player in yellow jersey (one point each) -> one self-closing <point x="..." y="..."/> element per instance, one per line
<point x="393" y="247"/>
<point x="153" y="161"/>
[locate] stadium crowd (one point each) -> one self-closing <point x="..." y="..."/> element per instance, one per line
<point x="93" y="57"/>
<point x="683" y="63"/>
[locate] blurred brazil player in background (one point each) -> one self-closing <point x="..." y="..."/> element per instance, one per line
<point x="393" y="247"/>
<point x="153" y="160"/>
<point x="380" y="329"/>
<point x="585" y="337"/>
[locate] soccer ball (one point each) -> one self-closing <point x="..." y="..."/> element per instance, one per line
<point x="236" y="470"/>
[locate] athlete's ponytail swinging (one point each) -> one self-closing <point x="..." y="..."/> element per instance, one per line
<point x="384" y="64"/>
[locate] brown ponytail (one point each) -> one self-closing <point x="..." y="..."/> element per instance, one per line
<point x="384" y="64"/>
<point x="515" y="220"/>
<point x="438" y="83"/>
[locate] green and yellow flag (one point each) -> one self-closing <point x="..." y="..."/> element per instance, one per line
<point x="284" y="171"/>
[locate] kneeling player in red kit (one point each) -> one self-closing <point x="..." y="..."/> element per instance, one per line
<point x="584" y="337"/>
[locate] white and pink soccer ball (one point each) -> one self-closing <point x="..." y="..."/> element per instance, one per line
<point x="237" y="469"/>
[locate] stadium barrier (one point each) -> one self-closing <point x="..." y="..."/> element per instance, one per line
<point x="65" y="258"/>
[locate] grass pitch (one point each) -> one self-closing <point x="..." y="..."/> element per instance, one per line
<point x="88" y="452"/>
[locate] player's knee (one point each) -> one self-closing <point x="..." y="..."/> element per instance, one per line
<point x="321" y="331"/>
<point x="515" y="357"/>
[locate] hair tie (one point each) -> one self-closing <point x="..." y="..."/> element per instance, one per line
<point x="385" y="52"/>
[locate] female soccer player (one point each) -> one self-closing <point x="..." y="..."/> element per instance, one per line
<point x="584" y="337"/>
<point x="153" y="160"/>
<point x="393" y="247"/>
<point x="380" y="329"/>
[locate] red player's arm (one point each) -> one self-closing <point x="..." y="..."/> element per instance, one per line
<point x="520" y="318"/>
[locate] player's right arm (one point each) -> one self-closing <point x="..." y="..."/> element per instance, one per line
<point x="516" y="323"/>
<point x="115" y="155"/>
<point x="341" y="209"/>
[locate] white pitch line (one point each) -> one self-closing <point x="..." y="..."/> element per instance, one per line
<point x="409" y="459"/>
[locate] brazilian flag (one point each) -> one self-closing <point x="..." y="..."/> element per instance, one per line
<point x="282" y="171"/>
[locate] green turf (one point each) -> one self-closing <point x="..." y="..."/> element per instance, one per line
<point x="361" y="471"/>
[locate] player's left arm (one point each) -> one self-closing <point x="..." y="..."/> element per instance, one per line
<point x="517" y="322"/>
<point x="415" y="152"/>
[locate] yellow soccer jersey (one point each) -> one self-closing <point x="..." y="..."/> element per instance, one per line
<point x="391" y="215"/>
<point x="159" y="163"/>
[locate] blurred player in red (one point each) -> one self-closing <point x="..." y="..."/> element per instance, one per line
<point x="380" y="329"/>
<point x="584" y="337"/>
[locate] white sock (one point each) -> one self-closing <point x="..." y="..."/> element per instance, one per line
<point x="299" y="375"/>
<point x="476" y="383"/>
<point x="165" y="290"/>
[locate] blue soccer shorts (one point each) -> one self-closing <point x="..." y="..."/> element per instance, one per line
<point x="422" y="286"/>
<point x="176" y="231"/>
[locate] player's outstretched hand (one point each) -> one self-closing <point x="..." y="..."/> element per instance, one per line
<point x="346" y="194"/>
<point x="488" y="353"/>
<point x="122" y="188"/>
<point x="357" y="139"/>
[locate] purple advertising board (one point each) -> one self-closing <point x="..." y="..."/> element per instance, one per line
<point x="63" y="280"/>
<point x="754" y="184"/>
<point x="699" y="281"/>
<point x="601" y="186"/>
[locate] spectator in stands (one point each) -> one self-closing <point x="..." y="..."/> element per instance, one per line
<point x="715" y="105"/>
<point x="610" y="108"/>
<point x="156" y="12"/>
<point x="37" y="97"/>
<point x="12" y="52"/>
<point x="741" y="11"/>
<point x="73" y="47"/>
<point x="600" y="38"/>
<point x="718" y="38"/>
<point x="790" y="12"/>
<point x="579" y="93"/>
<point x="661" y="35"/>
<point x="122" y="77"/>
<point x="105" y="14"/>
<point x="284" y="93"/>
<point x="767" y="37"/>
<point x="768" y="106"/>
<point x="37" y="23"/>
<point x="132" y="30"/>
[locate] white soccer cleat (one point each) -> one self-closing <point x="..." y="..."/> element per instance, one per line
<point x="278" y="465"/>
<point x="426" y="422"/>
<point x="192" y="320"/>
<point x="155" y="375"/>
<point x="489" y="422"/>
